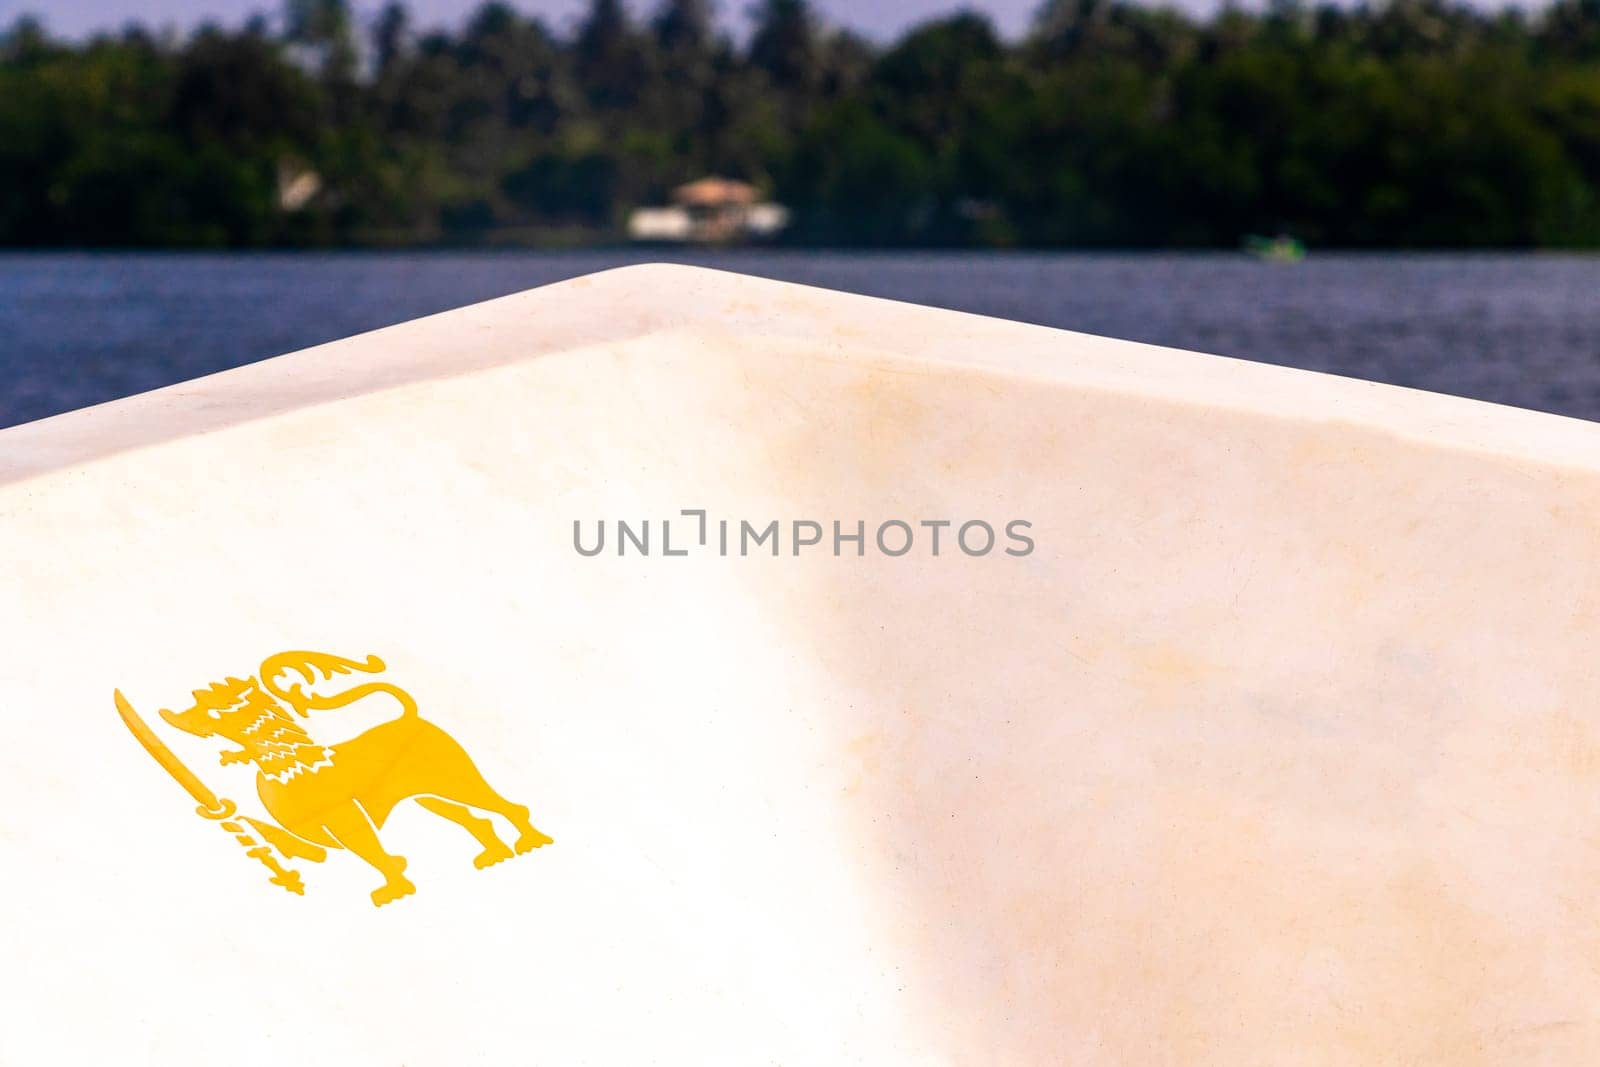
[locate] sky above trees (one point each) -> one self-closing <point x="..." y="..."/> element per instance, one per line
<point x="875" y="18"/>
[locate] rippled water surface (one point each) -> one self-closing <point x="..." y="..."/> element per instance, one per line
<point x="77" y="329"/>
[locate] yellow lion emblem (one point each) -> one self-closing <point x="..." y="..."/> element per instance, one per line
<point x="340" y="795"/>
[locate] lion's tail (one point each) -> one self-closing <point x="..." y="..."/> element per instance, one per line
<point x="408" y="706"/>
<point x="288" y="674"/>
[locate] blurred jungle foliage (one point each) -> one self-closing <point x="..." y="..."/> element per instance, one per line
<point x="1414" y="123"/>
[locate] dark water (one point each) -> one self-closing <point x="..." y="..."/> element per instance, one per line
<point x="1516" y="329"/>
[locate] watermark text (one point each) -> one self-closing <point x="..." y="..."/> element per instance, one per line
<point x="693" y="531"/>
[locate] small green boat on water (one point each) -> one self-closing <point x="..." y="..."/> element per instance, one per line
<point x="1279" y="249"/>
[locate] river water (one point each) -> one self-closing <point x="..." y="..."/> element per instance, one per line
<point x="77" y="329"/>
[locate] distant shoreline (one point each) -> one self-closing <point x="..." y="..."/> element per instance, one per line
<point x="1109" y="125"/>
<point x="645" y="250"/>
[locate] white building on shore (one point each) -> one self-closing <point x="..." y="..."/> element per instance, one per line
<point x="710" y="211"/>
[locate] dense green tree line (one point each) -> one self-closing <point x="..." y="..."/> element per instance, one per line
<point x="1415" y="123"/>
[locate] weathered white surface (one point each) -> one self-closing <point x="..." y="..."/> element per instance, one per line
<point x="1283" y="747"/>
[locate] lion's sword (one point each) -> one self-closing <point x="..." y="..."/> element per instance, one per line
<point x="211" y="806"/>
